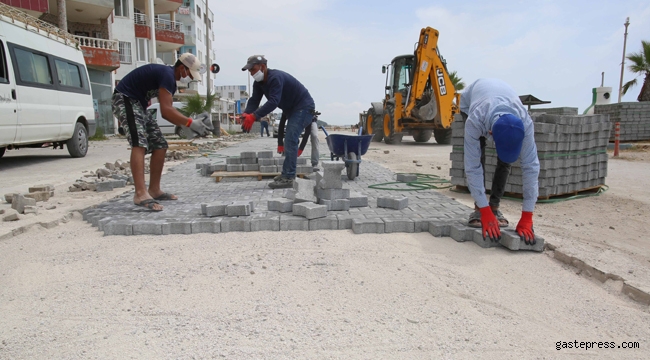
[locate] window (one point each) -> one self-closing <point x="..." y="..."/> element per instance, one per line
<point x="122" y="8"/>
<point x="143" y="49"/>
<point x="200" y="56"/>
<point x="4" y="76"/>
<point x="32" y="67"/>
<point x="82" y="33"/>
<point x="125" y="52"/>
<point x="68" y="74"/>
<point x="198" y="11"/>
<point x="231" y="95"/>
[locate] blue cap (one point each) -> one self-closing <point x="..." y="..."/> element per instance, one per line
<point x="508" y="134"/>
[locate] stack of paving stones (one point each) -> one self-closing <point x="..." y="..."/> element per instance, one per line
<point x="634" y="119"/>
<point x="572" y="152"/>
<point x="262" y="161"/>
<point x="555" y="111"/>
<point x="425" y="211"/>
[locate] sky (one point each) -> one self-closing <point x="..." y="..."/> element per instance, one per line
<point x="554" y="50"/>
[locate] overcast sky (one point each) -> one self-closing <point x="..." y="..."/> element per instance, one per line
<point x="555" y="50"/>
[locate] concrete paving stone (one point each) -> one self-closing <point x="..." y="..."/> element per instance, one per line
<point x="204" y="208"/>
<point x="511" y="240"/>
<point x="118" y="227"/>
<point x="304" y="190"/>
<point x="201" y="165"/>
<point x="291" y="222"/>
<point x="267" y="154"/>
<point x="248" y="161"/>
<point x="460" y="232"/>
<point x="392" y="202"/>
<point x="330" y="222"/>
<point x="118" y="183"/>
<point x="439" y="229"/>
<point x="240" y="224"/>
<point x="251" y="167"/>
<point x="392" y="225"/>
<point x="478" y="238"/>
<point x="333" y="194"/>
<point x="38" y="188"/>
<point x="18" y="203"/>
<point x="217" y="209"/>
<point x="268" y="169"/>
<point x="368" y="226"/>
<point x="358" y="200"/>
<point x="9" y="197"/>
<point x="248" y="155"/>
<point x="330" y="179"/>
<point x="280" y="205"/>
<point x="301" y="161"/>
<point x="345" y="220"/>
<point x="147" y="228"/>
<point x="336" y="166"/>
<point x="180" y="227"/>
<point x="407" y="177"/>
<point x="279" y="161"/>
<point x="266" y="161"/>
<point x="309" y="210"/>
<point x="238" y="208"/>
<point x="336" y="205"/>
<point x="104" y="186"/>
<point x="234" y="168"/>
<point x="421" y="224"/>
<point x="220" y="167"/>
<point x="289" y="193"/>
<point x="235" y="160"/>
<point x="103" y="221"/>
<point x="265" y="222"/>
<point x="206" y="225"/>
<point x="39" y="195"/>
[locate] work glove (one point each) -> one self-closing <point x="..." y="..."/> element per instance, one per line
<point x="299" y="152"/>
<point x="280" y="149"/>
<point x="197" y="126"/>
<point x="490" y="224"/>
<point x="249" y="119"/>
<point x="525" y="228"/>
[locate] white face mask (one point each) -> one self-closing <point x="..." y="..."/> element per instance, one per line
<point x="185" y="79"/>
<point x="259" y="75"/>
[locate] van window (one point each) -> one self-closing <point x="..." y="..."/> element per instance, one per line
<point x="32" y="67"/>
<point x="69" y="74"/>
<point x="4" y="75"/>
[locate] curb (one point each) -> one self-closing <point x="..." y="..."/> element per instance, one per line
<point x="632" y="292"/>
<point x="46" y="225"/>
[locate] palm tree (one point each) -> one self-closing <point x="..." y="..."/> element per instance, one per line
<point x="457" y="81"/>
<point x="195" y="105"/>
<point x="640" y="66"/>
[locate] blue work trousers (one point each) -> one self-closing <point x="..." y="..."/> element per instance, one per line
<point x="296" y="123"/>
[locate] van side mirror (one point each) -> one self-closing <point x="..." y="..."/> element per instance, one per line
<point x="383" y="69"/>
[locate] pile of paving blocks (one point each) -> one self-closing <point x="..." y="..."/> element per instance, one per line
<point x="26" y="203"/>
<point x="634" y="119"/>
<point x="572" y="152"/>
<point x="262" y="161"/>
<point x="555" y="111"/>
<point x="112" y="176"/>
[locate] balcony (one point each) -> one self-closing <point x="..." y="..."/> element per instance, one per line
<point x="169" y="34"/>
<point x="84" y="11"/>
<point x="160" y="6"/>
<point x="100" y="54"/>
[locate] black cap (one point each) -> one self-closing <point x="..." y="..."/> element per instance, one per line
<point x="252" y="60"/>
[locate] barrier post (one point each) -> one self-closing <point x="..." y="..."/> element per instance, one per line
<point x="617" y="136"/>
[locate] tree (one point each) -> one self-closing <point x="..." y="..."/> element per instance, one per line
<point x="195" y="105"/>
<point x="640" y="66"/>
<point x="457" y="81"/>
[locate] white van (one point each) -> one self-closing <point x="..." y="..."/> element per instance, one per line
<point x="45" y="96"/>
<point x="165" y="126"/>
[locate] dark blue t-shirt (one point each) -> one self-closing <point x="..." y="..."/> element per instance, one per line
<point x="282" y="91"/>
<point x="144" y="82"/>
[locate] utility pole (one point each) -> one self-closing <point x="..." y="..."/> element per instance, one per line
<point x="208" y="34"/>
<point x="620" y="85"/>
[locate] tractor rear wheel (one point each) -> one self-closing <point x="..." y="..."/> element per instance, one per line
<point x="374" y="125"/>
<point x="443" y="136"/>
<point x="422" y="136"/>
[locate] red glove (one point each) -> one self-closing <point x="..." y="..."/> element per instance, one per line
<point x="249" y="119"/>
<point x="280" y="149"/>
<point x="299" y="152"/>
<point x="525" y="228"/>
<point x="490" y="224"/>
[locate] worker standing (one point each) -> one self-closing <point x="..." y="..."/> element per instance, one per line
<point x="491" y="107"/>
<point x="129" y="104"/>
<point x="265" y="125"/>
<point x="285" y="92"/>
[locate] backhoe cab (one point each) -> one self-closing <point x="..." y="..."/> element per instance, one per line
<point x="419" y="97"/>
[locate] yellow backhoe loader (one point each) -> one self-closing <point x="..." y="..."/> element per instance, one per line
<point x="419" y="97"/>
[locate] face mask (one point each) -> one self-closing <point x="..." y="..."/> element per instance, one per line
<point x="259" y="75"/>
<point x="185" y="79"/>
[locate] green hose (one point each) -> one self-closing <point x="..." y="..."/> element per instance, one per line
<point x="423" y="182"/>
<point x="602" y="189"/>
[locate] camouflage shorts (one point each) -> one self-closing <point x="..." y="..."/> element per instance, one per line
<point x="139" y="127"/>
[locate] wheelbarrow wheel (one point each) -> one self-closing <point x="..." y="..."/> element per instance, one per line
<point x="352" y="167"/>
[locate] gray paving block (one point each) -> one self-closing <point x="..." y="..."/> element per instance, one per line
<point x="478" y="238"/>
<point x="268" y="169"/>
<point x="309" y="210"/>
<point x="251" y="167"/>
<point x="304" y="190"/>
<point x="336" y="166"/>
<point x="216" y="209"/>
<point x="180" y="227"/>
<point x="421" y="225"/>
<point x="291" y="222"/>
<point x="233" y="224"/>
<point x="248" y="155"/>
<point x="206" y="225"/>
<point x="304" y="169"/>
<point x="345" y="220"/>
<point x="336" y="205"/>
<point x="235" y="160"/>
<point x="392" y="225"/>
<point x="220" y="167"/>
<point x="248" y="161"/>
<point x="511" y="240"/>
<point x="392" y="202"/>
<point x="301" y="161"/>
<point x="233" y="168"/>
<point x="279" y="161"/>
<point x="358" y="200"/>
<point x="118" y="183"/>
<point x="147" y="228"/>
<point x="333" y="194"/>
<point x="265" y="222"/>
<point x="439" y="229"/>
<point x="281" y="205"/>
<point x="331" y="179"/>
<point x="238" y="208"/>
<point x="267" y="154"/>
<point x="330" y="222"/>
<point x="368" y="226"/>
<point x="461" y="232"/>
<point x="18" y="203"/>
<point x="118" y="227"/>
<point x="407" y="177"/>
<point x="204" y="207"/>
<point x="104" y="186"/>
<point x="266" y="162"/>
<point x="289" y="194"/>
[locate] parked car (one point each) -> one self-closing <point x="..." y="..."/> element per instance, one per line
<point x="45" y="96"/>
<point x="166" y="127"/>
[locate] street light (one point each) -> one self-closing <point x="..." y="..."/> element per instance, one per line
<point x="620" y="85"/>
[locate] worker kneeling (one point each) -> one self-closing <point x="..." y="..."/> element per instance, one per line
<point x="491" y="107"/>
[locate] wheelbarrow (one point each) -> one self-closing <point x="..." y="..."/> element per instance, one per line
<point x="350" y="148"/>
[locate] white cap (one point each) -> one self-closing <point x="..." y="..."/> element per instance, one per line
<point x="189" y="60"/>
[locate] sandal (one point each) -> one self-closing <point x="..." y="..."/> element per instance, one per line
<point x="149" y="204"/>
<point x="475" y="219"/>
<point x="503" y="222"/>
<point x="165" y="196"/>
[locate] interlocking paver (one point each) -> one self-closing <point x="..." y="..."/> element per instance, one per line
<point x="427" y="210"/>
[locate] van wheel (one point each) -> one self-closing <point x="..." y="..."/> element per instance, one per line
<point x="78" y="144"/>
<point x="2" y="151"/>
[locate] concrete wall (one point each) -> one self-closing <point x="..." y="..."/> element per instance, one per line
<point x="634" y="119"/>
